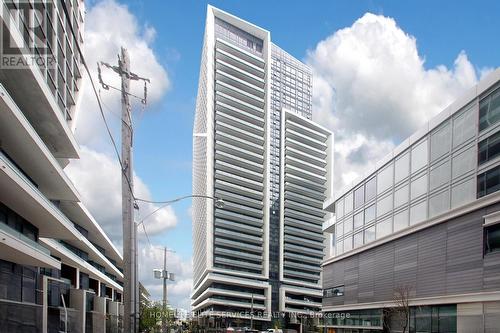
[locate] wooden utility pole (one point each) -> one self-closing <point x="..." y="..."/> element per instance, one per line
<point x="130" y="266"/>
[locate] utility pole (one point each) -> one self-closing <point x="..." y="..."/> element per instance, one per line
<point x="251" y="315"/>
<point x="130" y="267"/>
<point x="164" y="323"/>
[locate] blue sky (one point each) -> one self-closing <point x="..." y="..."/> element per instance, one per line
<point x="163" y="136"/>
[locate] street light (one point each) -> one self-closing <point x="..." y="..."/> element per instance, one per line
<point x="163" y="274"/>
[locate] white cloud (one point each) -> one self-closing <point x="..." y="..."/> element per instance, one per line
<point x="372" y="89"/>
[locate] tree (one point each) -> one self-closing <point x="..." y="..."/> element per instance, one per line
<point x="398" y="316"/>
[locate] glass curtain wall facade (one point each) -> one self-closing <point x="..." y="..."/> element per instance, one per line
<point x="446" y="172"/>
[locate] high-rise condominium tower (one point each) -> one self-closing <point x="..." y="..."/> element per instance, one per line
<point x="255" y="146"/>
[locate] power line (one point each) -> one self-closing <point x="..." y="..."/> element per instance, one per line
<point x="66" y="13"/>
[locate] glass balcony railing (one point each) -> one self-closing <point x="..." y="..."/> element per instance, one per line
<point x="20" y="236"/>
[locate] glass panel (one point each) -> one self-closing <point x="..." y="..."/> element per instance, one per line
<point x="489" y="148"/>
<point x="370" y="214"/>
<point x="348" y="244"/>
<point x="488" y="182"/>
<point x="339" y="208"/>
<point x="339" y="229"/>
<point x="401" y="220"/>
<point x="419" y="156"/>
<point x="463" y="193"/>
<point x="369" y="234"/>
<point x="493" y="238"/>
<point x="384" y="205"/>
<point x="401" y="196"/>
<point x="439" y="203"/>
<point x="464" y="127"/>
<point x="370" y="189"/>
<point x="464" y="162"/>
<point x="384" y="228"/>
<point x="348" y="225"/>
<point x="358" y="239"/>
<point x="418" y="212"/>
<point x="385" y="179"/>
<point x="359" y="195"/>
<point x="358" y="220"/>
<point x="402" y="167"/>
<point x="440" y="175"/>
<point x="447" y="318"/>
<point x="339" y="249"/>
<point x="348" y="203"/>
<point x="489" y="110"/>
<point x="441" y="141"/>
<point x="418" y="186"/>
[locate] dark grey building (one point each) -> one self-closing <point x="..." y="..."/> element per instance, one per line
<point x="424" y="227"/>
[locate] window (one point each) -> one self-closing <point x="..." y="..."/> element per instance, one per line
<point x="384" y="228"/>
<point x="358" y="220"/>
<point x="401" y="220"/>
<point x="401" y="196"/>
<point x="348" y="203"/>
<point x="402" y="167"/>
<point x="358" y="239"/>
<point x="334" y="292"/>
<point x="418" y="186"/>
<point x="441" y="141"/>
<point x="339" y="249"/>
<point x="489" y="110"/>
<point x="370" y="214"/>
<point x="369" y="234"/>
<point x="418" y="212"/>
<point x="488" y="182"/>
<point x="359" y="195"/>
<point x="492" y="238"/>
<point x="348" y="225"/>
<point x="339" y="208"/>
<point x="385" y="178"/>
<point x="489" y="148"/>
<point x="370" y="189"/>
<point x="419" y="156"/>
<point x="464" y="127"/>
<point x="348" y="244"/>
<point x="384" y="205"/>
<point x="339" y="229"/>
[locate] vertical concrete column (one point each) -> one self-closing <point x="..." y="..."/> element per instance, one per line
<point x="99" y="314"/>
<point x="77" y="302"/>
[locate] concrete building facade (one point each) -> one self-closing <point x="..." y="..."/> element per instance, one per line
<point x="256" y="147"/>
<point x="58" y="269"/>
<point x="425" y="220"/>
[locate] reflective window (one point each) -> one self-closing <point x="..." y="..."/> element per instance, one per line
<point x="463" y="163"/>
<point x="418" y="186"/>
<point x="358" y="239"/>
<point x="489" y="148"/>
<point x="348" y="244"/>
<point x="370" y="189"/>
<point x="358" y="220"/>
<point x="369" y="234"/>
<point x="348" y="225"/>
<point x="464" y="127"/>
<point x="359" y="195"/>
<point x="348" y="203"/>
<point x="441" y="141"/>
<point x="439" y="203"/>
<point x="401" y="220"/>
<point x="419" y="156"/>
<point x="488" y="182"/>
<point x="339" y="249"/>
<point x="384" y="228"/>
<point x="334" y="292"/>
<point x="339" y="229"/>
<point x="401" y="196"/>
<point x="492" y="238"/>
<point x="440" y="175"/>
<point x="339" y="208"/>
<point x="489" y="110"/>
<point x="463" y="193"/>
<point x="402" y="167"/>
<point x="370" y="214"/>
<point x="384" y="205"/>
<point x="385" y="179"/>
<point x="418" y="212"/>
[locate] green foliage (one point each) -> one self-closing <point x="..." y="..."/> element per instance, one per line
<point x="151" y="315"/>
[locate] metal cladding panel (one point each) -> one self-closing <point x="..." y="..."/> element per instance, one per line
<point x="445" y="259"/>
